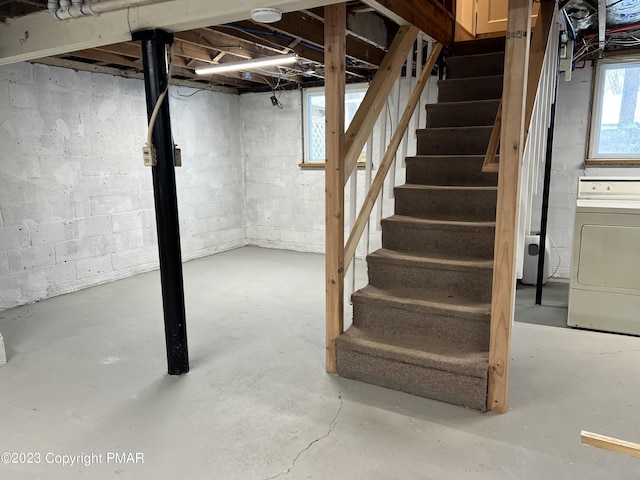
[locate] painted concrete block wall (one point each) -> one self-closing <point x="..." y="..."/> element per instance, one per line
<point x="76" y="204"/>
<point x="284" y="204"/>
<point x="568" y="164"/>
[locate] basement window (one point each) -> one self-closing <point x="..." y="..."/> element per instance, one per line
<point x="615" y="119"/>
<point x="314" y="120"/>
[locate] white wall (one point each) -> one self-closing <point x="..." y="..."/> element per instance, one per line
<point x="76" y="203"/>
<point x="568" y="164"/>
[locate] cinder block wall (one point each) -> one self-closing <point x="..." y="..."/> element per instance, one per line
<point x="568" y="164"/>
<point x="284" y="204"/>
<point x="76" y="203"/>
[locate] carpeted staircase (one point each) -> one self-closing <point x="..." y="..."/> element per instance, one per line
<point x="422" y="323"/>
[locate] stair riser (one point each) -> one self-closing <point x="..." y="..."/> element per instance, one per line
<point x="430" y="383"/>
<point x="455" y="282"/>
<point x="474" y="47"/>
<point x="473" y="329"/>
<point x="475" y="65"/>
<point x="454" y="141"/>
<point x="462" y="90"/>
<point x="439" y="239"/>
<point x="463" y="205"/>
<point x="449" y="171"/>
<point x="464" y="114"/>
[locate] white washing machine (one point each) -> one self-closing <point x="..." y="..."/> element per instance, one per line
<point x="605" y="267"/>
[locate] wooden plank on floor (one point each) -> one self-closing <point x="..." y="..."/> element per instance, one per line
<point x="610" y="444"/>
<point x="335" y="29"/>
<point x="511" y="151"/>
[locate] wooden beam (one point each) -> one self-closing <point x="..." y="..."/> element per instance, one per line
<point x="106" y="57"/>
<point x="376" y="96"/>
<point x="490" y="164"/>
<point x="334" y="88"/>
<point x="430" y="16"/>
<point x="387" y="160"/>
<point x="47" y="36"/>
<point x="276" y="44"/>
<point x="217" y="42"/>
<point x="536" y="56"/>
<point x="602" y="26"/>
<point x="129" y="49"/>
<point x="511" y="151"/>
<point x="310" y="29"/>
<point x="610" y="444"/>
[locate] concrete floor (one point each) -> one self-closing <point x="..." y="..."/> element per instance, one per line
<point x="86" y="375"/>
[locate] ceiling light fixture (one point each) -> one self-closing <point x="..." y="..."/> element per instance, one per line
<point x="248" y="64"/>
<point x="266" y="15"/>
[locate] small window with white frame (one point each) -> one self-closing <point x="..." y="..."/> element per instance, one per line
<point x="615" y="119"/>
<point x="314" y="118"/>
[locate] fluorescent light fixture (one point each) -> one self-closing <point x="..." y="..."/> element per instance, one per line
<point x="248" y="64"/>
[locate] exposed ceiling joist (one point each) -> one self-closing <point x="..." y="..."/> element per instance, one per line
<point x="40" y="35"/>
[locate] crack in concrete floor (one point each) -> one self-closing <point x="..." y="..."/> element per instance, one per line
<point x="332" y="425"/>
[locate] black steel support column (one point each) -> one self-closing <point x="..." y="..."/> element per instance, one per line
<point x="154" y="44"/>
<point x="545" y="197"/>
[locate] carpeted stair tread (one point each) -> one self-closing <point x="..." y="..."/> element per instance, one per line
<point x="406" y="311"/>
<point x="479" y="65"/>
<point x="462" y="114"/>
<point x="420" y="222"/>
<point x="479" y="46"/>
<point x="414" y="298"/>
<point x="385" y="255"/>
<point x="440" y="202"/>
<point x="422" y="351"/>
<point x="468" y="140"/>
<point x="473" y="88"/>
<point x="472" y="239"/>
<point x="460" y="276"/>
<point x="469" y="188"/>
<point x="449" y="170"/>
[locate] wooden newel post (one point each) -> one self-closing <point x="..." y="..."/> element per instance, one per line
<point x="511" y="150"/>
<point x="335" y="22"/>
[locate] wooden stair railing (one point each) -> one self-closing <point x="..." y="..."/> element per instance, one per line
<point x="490" y="164"/>
<point x="537" y="57"/>
<point x="387" y="160"/>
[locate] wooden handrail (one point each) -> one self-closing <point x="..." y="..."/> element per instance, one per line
<point x="537" y="55"/>
<point x="365" y="118"/>
<point x="490" y="164"/>
<point x="387" y="161"/>
<point x="536" y="61"/>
